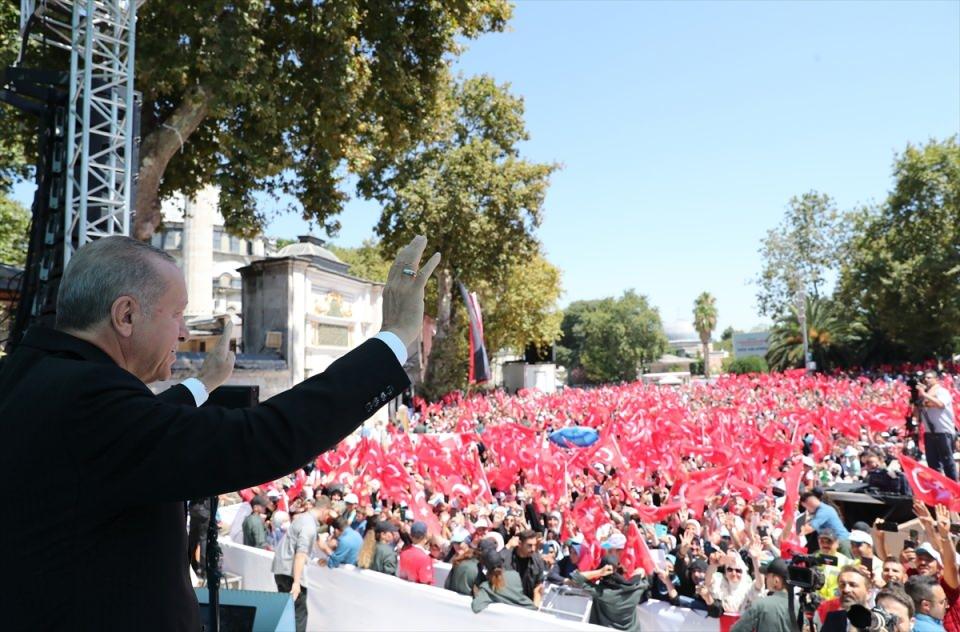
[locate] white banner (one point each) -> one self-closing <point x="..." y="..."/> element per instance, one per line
<point x="348" y="598"/>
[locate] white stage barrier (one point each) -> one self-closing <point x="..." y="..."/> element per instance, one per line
<point x="352" y="599"/>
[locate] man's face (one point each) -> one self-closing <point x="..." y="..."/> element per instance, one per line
<point x="938" y="608"/>
<point x="871" y="462"/>
<point x="853" y="589"/>
<point x="527" y="547"/>
<point x="152" y="346"/>
<point x="927" y="565"/>
<point x="811" y="504"/>
<point x="904" y="622"/>
<point x="929" y="379"/>
<point x="861" y="550"/>
<point x="894" y="572"/>
<point x="828" y="545"/>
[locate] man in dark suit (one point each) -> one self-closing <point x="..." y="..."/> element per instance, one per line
<point x="80" y="427"/>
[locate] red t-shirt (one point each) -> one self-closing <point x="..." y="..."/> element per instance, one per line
<point x="826" y="607"/>
<point x="415" y="565"/>
<point x="951" y="621"/>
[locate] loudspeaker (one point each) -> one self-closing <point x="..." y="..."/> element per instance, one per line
<point x="234" y="396"/>
<point x="247" y="610"/>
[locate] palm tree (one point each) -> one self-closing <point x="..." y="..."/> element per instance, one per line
<point x="828" y="336"/>
<point x="705" y="321"/>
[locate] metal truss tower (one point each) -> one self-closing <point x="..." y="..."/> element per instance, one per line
<point x="101" y="152"/>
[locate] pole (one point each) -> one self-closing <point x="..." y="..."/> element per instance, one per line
<point x="213" y="567"/>
<point x="802" y="320"/>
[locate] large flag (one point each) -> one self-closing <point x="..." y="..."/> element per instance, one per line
<point x="636" y="554"/>
<point x="929" y="485"/>
<point x="479" y="362"/>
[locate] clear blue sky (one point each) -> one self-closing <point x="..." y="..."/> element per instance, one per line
<point x="685" y="127"/>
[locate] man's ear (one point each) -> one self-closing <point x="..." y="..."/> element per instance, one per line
<point x="122" y="314"/>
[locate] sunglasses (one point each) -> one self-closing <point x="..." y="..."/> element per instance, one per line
<point x="736" y="571"/>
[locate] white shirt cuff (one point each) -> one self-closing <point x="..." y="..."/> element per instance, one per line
<point x="396" y="345"/>
<point x="197" y="389"/>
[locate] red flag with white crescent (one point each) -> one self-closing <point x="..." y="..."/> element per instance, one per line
<point x="929" y="485"/>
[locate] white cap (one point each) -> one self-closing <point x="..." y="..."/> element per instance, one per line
<point x="351" y="499"/>
<point x="808" y="461"/>
<point x="615" y="541"/>
<point x="860" y="537"/>
<point x="928" y="549"/>
<point x="482" y="523"/>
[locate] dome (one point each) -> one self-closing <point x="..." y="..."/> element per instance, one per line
<point x="307" y="249"/>
<point x="680" y="330"/>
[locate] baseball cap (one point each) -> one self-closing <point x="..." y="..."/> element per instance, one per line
<point x="418" y="529"/>
<point x="385" y="526"/>
<point x="482" y="523"/>
<point x="827" y="534"/>
<point x="615" y="541"/>
<point x="351" y="499"/>
<point x="860" y="537"/>
<point x="927" y="549"/>
<point x="779" y="568"/>
<point x="460" y="535"/>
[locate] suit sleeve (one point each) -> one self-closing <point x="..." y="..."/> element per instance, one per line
<point x="130" y="442"/>
<point x="178" y="395"/>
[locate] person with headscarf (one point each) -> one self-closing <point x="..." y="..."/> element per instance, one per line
<point x="615" y="597"/>
<point x="733" y="588"/>
<point x="500" y="585"/>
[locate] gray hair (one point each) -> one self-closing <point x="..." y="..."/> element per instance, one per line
<point x="101" y="272"/>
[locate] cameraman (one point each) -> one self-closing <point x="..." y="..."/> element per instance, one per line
<point x="935" y="408"/>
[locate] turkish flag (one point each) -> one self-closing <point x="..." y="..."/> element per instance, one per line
<point x="791" y="481"/>
<point x="930" y="486"/>
<point x="636" y="554"/>
<point x="590" y="554"/>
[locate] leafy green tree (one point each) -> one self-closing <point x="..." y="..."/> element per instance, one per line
<point x="284" y="97"/>
<point x="524" y="310"/>
<point x="14" y="225"/>
<point x="901" y="276"/>
<point x="609" y="340"/>
<point x="799" y="255"/>
<point x="705" y="321"/>
<point x="469" y="191"/>
<point x="744" y="366"/>
<point x="368" y="261"/>
<point x="828" y="337"/>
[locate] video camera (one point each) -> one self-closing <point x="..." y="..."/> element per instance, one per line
<point x="803" y="572"/>
<point x="874" y="619"/>
<point x="912" y="381"/>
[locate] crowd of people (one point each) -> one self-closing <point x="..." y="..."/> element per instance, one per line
<point x="709" y="496"/>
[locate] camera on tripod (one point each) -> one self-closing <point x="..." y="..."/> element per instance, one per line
<point x="913" y="380"/>
<point x="874" y="619"/>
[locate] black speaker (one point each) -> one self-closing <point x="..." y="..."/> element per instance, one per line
<point x="233" y="396"/>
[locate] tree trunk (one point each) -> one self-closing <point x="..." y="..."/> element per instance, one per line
<point x="155" y="154"/>
<point x="444" y="300"/>
<point x="706" y="359"/>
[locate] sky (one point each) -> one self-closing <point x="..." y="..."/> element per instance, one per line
<point x="684" y="128"/>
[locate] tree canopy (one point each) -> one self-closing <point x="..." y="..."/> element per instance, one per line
<point x="283" y="97"/>
<point x="705" y="321"/>
<point x="799" y="254"/>
<point x="611" y="339"/>
<point x="901" y="272"/>
<point x="14" y="224"/>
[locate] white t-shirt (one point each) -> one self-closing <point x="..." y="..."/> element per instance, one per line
<point x="940" y="419"/>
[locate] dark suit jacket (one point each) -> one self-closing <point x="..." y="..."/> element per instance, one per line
<point x="97" y="539"/>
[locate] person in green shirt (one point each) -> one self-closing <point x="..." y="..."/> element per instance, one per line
<point x="464" y="567"/>
<point x="501" y="585"/>
<point x="385" y="554"/>
<point x="615" y="598"/>
<point x="254" y="528"/>
<point x="770" y="613"/>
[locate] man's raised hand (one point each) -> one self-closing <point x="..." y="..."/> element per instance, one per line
<point x="218" y="363"/>
<point x="403" y="292"/>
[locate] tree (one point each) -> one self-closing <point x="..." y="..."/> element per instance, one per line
<point x="367" y="261"/>
<point x="469" y="191"/>
<point x="705" y="321"/>
<point x="286" y="97"/>
<point x="828" y="338"/>
<point x="800" y="253"/>
<point x="901" y="276"/>
<point x="524" y="310"/>
<point x="14" y="225"/>
<point x="609" y="340"/>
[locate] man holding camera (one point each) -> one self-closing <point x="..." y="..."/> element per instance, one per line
<point x="936" y="415"/>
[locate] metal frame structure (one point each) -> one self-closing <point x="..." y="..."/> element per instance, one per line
<point x="101" y="153"/>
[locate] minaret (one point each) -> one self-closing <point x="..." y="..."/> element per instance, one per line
<point x="198" y="218"/>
